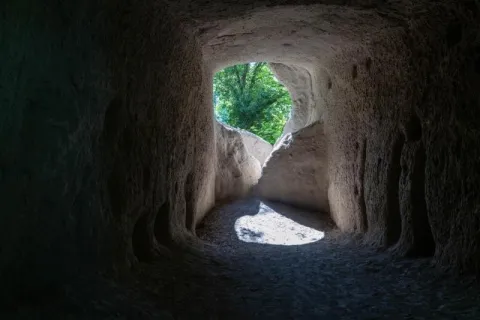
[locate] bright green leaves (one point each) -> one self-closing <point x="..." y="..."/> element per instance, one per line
<point x="249" y="97"/>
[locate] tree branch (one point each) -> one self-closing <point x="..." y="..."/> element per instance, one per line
<point x="237" y="73"/>
<point x="258" y="65"/>
<point x="244" y="76"/>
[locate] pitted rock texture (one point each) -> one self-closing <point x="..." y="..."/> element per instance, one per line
<point x="109" y="146"/>
<point x="255" y="145"/>
<point x="337" y="277"/>
<point x="237" y="169"/>
<point x="296" y="171"/>
<point x="103" y="128"/>
<point x="307" y="103"/>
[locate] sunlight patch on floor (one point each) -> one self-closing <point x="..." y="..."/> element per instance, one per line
<point x="270" y="227"/>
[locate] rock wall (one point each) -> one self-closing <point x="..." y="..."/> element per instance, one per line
<point x="306" y="102"/>
<point x="396" y="83"/>
<point x="255" y="145"/>
<point x="107" y="127"/>
<point x="399" y="131"/>
<point x="237" y="170"/>
<point x="94" y="107"/>
<point x="296" y="171"/>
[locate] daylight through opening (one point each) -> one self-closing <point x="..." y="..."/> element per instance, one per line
<point x="249" y="97"/>
<point x="269" y="226"/>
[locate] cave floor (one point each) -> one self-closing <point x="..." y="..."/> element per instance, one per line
<point x="335" y="276"/>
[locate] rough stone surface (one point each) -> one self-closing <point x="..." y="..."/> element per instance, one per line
<point x="306" y="102"/>
<point x="106" y="116"/>
<point x="337" y="277"/>
<point x="255" y="145"/>
<point x="237" y="170"/>
<point x="296" y="171"/>
<point x="108" y="138"/>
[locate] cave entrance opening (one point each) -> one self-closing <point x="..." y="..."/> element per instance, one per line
<point x="249" y="97"/>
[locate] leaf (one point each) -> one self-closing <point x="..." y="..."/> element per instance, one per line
<point x="248" y="97"/>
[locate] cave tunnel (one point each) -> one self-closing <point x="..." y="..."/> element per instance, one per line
<point x="123" y="197"/>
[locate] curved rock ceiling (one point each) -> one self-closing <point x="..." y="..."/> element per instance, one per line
<point x="108" y="129"/>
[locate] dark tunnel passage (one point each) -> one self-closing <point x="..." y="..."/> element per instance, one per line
<point x="123" y="198"/>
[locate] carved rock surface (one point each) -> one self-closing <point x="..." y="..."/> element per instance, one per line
<point x="109" y="146"/>
<point x="255" y="145"/>
<point x="296" y="171"/>
<point x="237" y="169"/>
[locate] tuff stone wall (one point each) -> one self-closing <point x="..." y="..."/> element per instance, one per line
<point x="296" y="171"/>
<point x="105" y="132"/>
<point x="237" y="170"/>
<point x="306" y="101"/>
<point x="254" y="145"/>
<point x="108" y="139"/>
<point x="396" y="97"/>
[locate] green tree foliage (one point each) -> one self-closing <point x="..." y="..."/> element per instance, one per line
<point x="249" y="97"/>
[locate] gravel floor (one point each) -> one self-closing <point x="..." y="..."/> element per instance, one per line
<point x="332" y="278"/>
<point x="237" y="273"/>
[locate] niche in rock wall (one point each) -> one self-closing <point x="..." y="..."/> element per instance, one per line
<point x="413" y="128"/>
<point x="189" y="201"/>
<point x="424" y="242"/>
<point x="417" y="238"/>
<point x="354" y="72"/>
<point x="394" y="220"/>
<point x="162" y="224"/>
<point x="359" y="186"/>
<point x="141" y="240"/>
